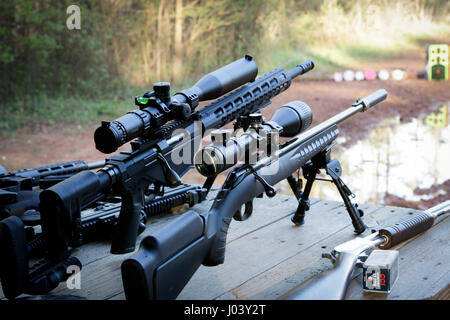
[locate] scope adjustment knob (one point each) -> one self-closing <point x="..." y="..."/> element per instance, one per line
<point x="162" y="91"/>
<point x="255" y="120"/>
<point x="182" y="110"/>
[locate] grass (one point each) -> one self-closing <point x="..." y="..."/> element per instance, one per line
<point x="28" y="113"/>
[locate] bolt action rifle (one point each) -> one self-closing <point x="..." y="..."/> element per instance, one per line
<point x="131" y="172"/>
<point x="348" y="257"/>
<point x="166" y="260"/>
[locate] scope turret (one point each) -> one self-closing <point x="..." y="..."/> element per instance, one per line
<point x="157" y="107"/>
<point x="225" y="151"/>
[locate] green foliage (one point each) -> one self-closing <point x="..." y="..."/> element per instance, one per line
<point x="31" y="111"/>
<point x="50" y="72"/>
<point x="39" y="54"/>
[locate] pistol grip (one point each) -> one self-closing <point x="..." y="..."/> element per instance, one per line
<point x="124" y="237"/>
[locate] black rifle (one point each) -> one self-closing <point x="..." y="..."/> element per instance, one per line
<point x="332" y="285"/>
<point x="129" y="173"/>
<point x="167" y="260"/>
<point x="17" y="193"/>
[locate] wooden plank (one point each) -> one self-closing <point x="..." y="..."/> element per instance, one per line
<point x="443" y="294"/>
<point x="266" y="256"/>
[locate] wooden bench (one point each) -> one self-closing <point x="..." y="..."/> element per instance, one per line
<point x="266" y="256"/>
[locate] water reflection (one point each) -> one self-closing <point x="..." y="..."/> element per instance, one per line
<point x="397" y="159"/>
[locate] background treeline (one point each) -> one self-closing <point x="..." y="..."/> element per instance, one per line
<point x="123" y="47"/>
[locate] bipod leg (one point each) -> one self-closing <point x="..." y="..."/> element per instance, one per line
<point x="309" y="172"/>
<point x="296" y="186"/>
<point x="334" y="170"/>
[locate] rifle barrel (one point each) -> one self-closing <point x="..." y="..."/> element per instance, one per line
<point x="96" y="164"/>
<point x="360" y="105"/>
<point x="439" y="209"/>
<point x="405" y="230"/>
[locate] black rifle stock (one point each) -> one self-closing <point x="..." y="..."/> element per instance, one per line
<point x="26" y="179"/>
<point x="332" y="284"/>
<point x="166" y="261"/>
<point x="149" y="162"/>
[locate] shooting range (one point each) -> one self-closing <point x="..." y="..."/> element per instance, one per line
<point x="201" y="150"/>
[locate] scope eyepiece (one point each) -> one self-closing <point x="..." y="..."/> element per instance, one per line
<point x="207" y="163"/>
<point x="107" y="138"/>
<point x="111" y="135"/>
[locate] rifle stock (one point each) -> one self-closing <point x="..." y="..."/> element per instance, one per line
<point x="16" y="188"/>
<point x="166" y="260"/>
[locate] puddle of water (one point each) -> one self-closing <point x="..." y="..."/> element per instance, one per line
<point x="397" y="159"/>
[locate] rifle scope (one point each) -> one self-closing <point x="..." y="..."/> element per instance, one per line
<point x="157" y="107"/>
<point x="225" y="151"/>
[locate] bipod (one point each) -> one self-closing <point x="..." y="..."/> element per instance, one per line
<point x="334" y="170"/>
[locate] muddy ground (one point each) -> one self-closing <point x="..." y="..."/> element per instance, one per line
<point x="407" y="98"/>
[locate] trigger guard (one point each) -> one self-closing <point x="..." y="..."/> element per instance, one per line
<point x="361" y="213"/>
<point x="238" y="216"/>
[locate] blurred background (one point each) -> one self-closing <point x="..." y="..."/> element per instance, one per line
<point x="57" y="84"/>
